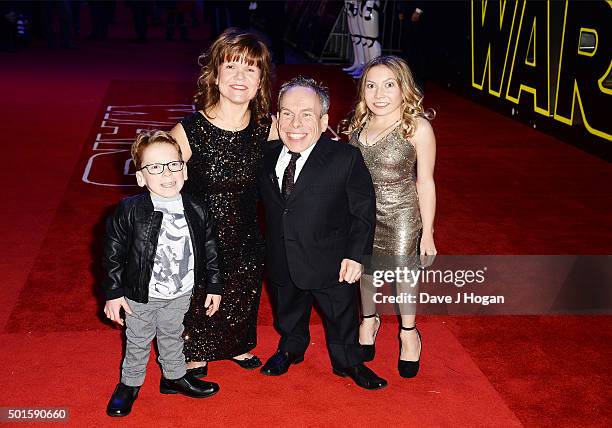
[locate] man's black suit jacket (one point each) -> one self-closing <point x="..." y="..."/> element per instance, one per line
<point x="330" y="215"/>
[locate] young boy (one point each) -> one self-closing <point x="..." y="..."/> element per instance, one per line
<point x="159" y="246"/>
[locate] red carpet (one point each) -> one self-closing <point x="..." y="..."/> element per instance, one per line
<point x="503" y="188"/>
<point x="451" y="392"/>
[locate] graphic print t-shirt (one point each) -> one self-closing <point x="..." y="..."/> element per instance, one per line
<point x="173" y="268"/>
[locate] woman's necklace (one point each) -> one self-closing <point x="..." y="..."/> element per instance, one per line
<point x="393" y="125"/>
<point x="243" y="121"/>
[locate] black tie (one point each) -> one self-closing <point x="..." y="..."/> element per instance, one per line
<point x="289" y="176"/>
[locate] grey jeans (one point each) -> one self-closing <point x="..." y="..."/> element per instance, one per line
<point x="161" y="318"/>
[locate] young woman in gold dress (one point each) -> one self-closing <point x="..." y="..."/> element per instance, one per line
<point x="392" y="130"/>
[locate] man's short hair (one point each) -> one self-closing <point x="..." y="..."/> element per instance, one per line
<point x="307" y="82"/>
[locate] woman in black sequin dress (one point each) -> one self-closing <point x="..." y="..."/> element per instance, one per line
<point x="223" y="145"/>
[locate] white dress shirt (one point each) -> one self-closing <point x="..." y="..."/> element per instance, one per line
<point x="283" y="162"/>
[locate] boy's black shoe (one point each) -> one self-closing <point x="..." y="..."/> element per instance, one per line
<point x="189" y="386"/>
<point x="122" y="399"/>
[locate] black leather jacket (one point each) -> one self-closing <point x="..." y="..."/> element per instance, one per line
<point x="131" y="241"/>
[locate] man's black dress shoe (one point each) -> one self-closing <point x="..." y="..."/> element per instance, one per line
<point x="122" y="399"/>
<point x="280" y="362"/>
<point x="363" y="376"/>
<point x="189" y="386"/>
<point x="248" y="363"/>
<point x="198" y="372"/>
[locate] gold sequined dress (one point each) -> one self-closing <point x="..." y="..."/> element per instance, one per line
<point x="222" y="170"/>
<point x="392" y="164"/>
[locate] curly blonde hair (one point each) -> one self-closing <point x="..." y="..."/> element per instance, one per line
<point x="412" y="98"/>
<point x="234" y="45"/>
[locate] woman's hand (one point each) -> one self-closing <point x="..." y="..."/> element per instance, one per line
<point x="273" y="135"/>
<point x="428" y="248"/>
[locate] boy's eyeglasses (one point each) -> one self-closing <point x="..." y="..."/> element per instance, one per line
<point x="158" y="168"/>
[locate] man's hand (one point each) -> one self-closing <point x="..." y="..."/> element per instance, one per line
<point x="212" y="304"/>
<point x="112" y="309"/>
<point x="350" y="271"/>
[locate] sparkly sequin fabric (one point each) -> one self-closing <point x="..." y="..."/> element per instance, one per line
<point x="222" y="170"/>
<point x="392" y="164"/>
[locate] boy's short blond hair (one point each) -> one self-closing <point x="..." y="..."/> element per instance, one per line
<point x="147" y="138"/>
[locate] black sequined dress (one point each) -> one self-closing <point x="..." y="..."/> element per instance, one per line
<point x="222" y="169"/>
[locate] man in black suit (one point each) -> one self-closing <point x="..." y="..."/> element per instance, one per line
<point x="320" y="218"/>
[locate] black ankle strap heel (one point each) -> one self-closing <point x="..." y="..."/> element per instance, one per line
<point x="409" y="369"/>
<point x="369" y="351"/>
